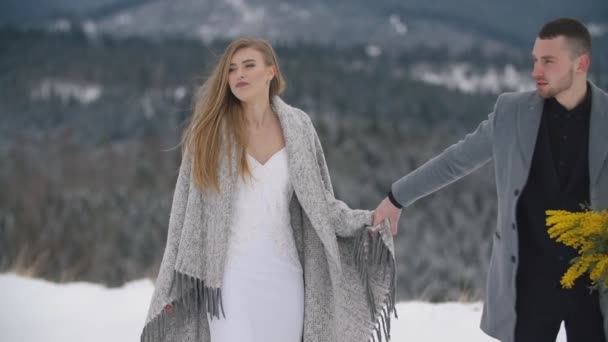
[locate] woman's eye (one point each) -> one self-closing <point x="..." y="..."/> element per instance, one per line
<point x="250" y="65"/>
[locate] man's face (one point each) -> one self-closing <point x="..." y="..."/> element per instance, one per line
<point x="554" y="66"/>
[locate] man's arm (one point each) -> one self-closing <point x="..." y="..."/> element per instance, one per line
<point x="457" y="161"/>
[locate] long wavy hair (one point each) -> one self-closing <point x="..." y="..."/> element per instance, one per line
<point x="218" y="120"/>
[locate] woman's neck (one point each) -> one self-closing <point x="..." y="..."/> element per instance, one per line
<point x="257" y="113"/>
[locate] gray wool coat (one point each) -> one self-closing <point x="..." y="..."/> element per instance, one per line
<point x="328" y="237"/>
<point x="508" y="138"/>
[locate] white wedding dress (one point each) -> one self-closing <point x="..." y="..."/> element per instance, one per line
<point x="263" y="287"/>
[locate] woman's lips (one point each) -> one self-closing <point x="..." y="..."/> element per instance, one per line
<point x="241" y="84"/>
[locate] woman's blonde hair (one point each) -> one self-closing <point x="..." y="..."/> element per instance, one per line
<point x="217" y="109"/>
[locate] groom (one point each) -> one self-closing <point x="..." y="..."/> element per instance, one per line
<point x="549" y="149"/>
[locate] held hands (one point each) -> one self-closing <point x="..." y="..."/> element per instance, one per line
<point x="385" y="210"/>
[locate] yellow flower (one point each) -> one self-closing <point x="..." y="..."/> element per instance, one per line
<point x="574" y="272"/>
<point x="599" y="269"/>
<point x="587" y="232"/>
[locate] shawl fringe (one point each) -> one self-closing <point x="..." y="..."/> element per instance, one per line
<point x="193" y="297"/>
<point x="372" y="250"/>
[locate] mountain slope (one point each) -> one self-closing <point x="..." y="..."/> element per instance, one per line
<point x="497" y="25"/>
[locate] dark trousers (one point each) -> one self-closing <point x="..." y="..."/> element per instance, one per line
<point x="541" y="306"/>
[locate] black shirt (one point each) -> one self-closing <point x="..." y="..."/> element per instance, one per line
<point x="558" y="179"/>
<point x="568" y="131"/>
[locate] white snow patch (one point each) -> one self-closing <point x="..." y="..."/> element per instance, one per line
<point x="83" y="93"/>
<point x="373" y="50"/>
<point x="38" y="310"/>
<point x="90" y="28"/>
<point x="179" y="93"/>
<point x="249" y="14"/>
<point x="123" y="19"/>
<point x="61" y="25"/>
<point x="597" y="29"/>
<point x="300" y="13"/>
<point x="397" y="24"/>
<point x="207" y="33"/>
<point x="463" y="77"/>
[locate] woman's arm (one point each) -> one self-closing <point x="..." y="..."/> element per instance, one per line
<point x="346" y="221"/>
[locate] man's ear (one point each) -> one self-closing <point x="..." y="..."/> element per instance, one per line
<point x="583" y="64"/>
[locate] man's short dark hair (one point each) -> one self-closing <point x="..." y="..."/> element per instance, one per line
<point x="576" y="33"/>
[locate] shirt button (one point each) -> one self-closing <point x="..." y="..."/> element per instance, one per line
<point x="565" y="137"/>
<point x="516" y="192"/>
<point x="513" y="258"/>
<point x="497" y="236"/>
<point x="513" y="226"/>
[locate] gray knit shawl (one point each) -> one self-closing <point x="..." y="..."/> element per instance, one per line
<point x="349" y="274"/>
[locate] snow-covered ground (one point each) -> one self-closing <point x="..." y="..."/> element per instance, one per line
<point x="37" y="310"/>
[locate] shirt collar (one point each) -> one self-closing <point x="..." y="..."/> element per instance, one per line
<point x="582" y="109"/>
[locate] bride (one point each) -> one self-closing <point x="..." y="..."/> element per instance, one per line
<point x="258" y="248"/>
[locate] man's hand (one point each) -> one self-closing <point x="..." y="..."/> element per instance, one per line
<point x="386" y="209"/>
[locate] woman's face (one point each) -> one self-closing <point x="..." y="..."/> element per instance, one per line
<point x="248" y="76"/>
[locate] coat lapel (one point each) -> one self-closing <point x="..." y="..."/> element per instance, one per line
<point x="528" y="122"/>
<point x="298" y="168"/>
<point x="306" y="181"/>
<point x="598" y="136"/>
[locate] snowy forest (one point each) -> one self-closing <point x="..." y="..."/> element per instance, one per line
<point x="90" y="126"/>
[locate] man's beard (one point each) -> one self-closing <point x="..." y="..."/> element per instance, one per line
<point x="563" y="84"/>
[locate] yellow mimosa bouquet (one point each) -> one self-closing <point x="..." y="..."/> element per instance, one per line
<point x="587" y="232"/>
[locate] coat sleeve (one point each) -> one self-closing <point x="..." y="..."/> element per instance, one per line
<point x="346" y="221"/>
<point x="455" y="162"/>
